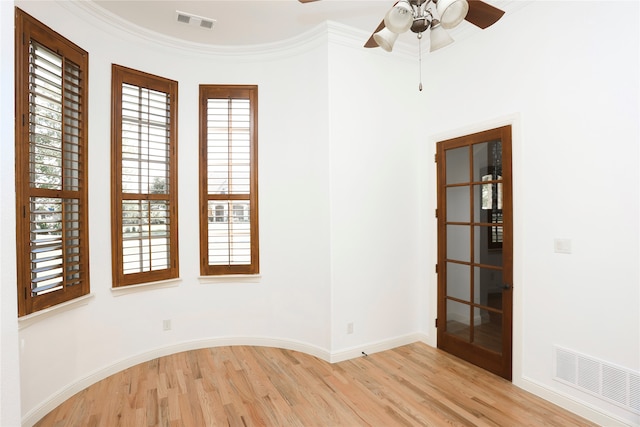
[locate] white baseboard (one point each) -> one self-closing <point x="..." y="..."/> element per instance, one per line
<point x="570" y="403"/>
<point x="564" y="401"/>
<point x="34" y="415"/>
<point x="375" y="347"/>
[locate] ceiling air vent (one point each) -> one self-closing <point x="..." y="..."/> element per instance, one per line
<point x="200" y="21"/>
<point x="185" y="19"/>
<point x="206" y="24"/>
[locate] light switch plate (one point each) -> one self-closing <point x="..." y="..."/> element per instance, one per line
<point x="562" y="246"/>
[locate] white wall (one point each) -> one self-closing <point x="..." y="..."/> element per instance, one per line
<point x="374" y="135"/>
<point x="571" y="91"/>
<point x="9" y="366"/>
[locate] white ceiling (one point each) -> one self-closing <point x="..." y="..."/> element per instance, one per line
<point x="246" y="22"/>
<point x="253" y="22"/>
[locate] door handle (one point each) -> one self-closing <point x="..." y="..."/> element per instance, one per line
<point x="506" y="287"/>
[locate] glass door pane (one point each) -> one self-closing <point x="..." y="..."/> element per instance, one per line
<point x="487" y="332"/>
<point x="458" y="279"/>
<point x="457" y="162"/>
<point x="474" y="292"/>
<point x="458" y="320"/>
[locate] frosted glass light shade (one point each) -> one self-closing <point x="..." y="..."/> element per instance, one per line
<point x="452" y="12"/>
<point x="399" y="18"/>
<point x="439" y="37"/>
<point x="385" y="39"/>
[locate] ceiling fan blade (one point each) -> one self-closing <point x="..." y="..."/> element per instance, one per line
<point x="371" y="42"/>
<point x="306" y="1"/>
<point x="482" y="14"/>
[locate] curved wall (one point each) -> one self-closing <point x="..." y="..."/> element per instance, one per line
<point x="291" y="304"/>
<point x="286" y="304"/>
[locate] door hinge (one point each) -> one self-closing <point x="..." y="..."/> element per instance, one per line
<point x="436" y="268"/>
<point x="436" y="213"/>
<point x="435" y="157"/>
<point x="436" y="322"/>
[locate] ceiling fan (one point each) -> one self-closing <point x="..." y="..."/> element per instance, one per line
<point x="437" y="15"/>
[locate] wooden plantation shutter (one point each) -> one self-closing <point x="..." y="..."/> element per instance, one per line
<point x="228" y="180"/>
<point x="51" y="167"/>
<point x="144" y="133"/>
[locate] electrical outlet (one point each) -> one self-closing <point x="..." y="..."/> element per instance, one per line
<point x="350" y="328"/>
<point x="166" y="325"/>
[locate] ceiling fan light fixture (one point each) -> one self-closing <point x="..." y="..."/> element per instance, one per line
<point x="438" y="36"/>
<point x="385" y="39"/>
<point x="399" y="18"/>
<point x="452" y="12"/>
<point x="420" y="24"/>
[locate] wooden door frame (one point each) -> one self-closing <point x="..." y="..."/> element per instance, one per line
<point x="502" y="365"/>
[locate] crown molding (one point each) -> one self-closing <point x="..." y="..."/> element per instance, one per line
<point x="123" y="29"/>
<point x="406" y="47"/>
<point x="344" y="35"/>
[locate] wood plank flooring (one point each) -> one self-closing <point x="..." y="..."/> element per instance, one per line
<point x="412" y="385"/>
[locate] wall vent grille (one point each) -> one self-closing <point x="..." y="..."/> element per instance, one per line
<point x="611" y="383"/>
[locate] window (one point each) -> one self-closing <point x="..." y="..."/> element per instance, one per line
<point x="144" y="177"/>
<point x="220" y="213"/>
<point x="228" y="180"/>
<point x="51" y="167"/>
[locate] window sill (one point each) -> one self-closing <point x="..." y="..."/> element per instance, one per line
<point x="230" y="278"/>
<point x="161" y="284"/>
<point x="30" y="319"/>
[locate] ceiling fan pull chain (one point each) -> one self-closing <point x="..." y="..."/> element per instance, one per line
<point x="420" y="60"/>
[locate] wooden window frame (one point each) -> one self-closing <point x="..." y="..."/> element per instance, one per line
<point x="123" y="75"/>
<point x="69" y="279"/>
<point x="230" y="92"/>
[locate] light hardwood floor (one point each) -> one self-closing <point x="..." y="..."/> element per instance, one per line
<point x="413" y="385"/>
